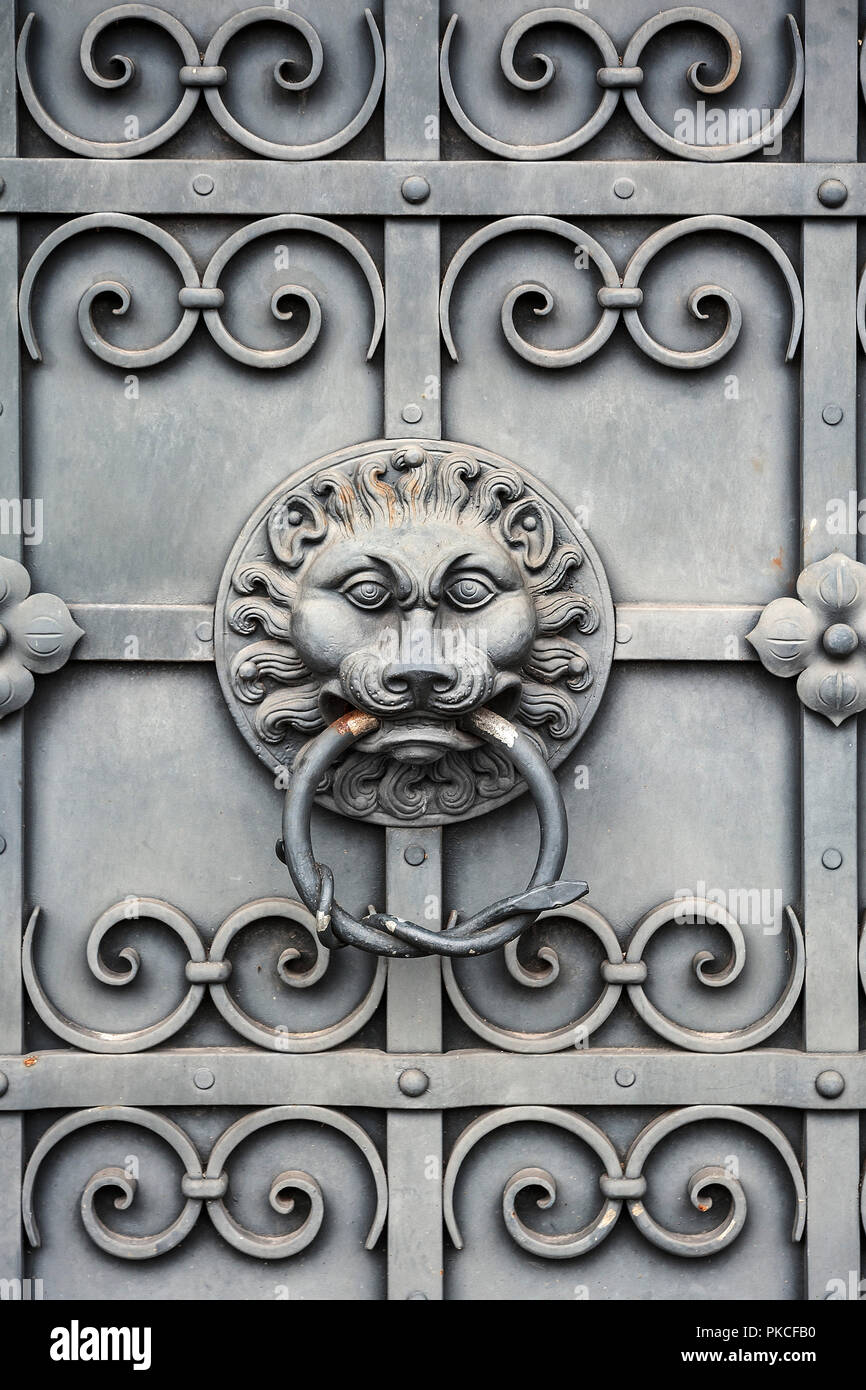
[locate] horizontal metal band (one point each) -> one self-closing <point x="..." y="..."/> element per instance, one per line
<point x="622" y="1187"/>
<point x="619" y="77"/>
<point x="684" y="631"/>
<point x="353" y="1077"/>
<point x="199" y="297"/>
<point x="465" y="188"/>
<point x="144" y="631"/>
<point x="203" y="77"/>
<point x="184" y="631"/>
<point x="619" y="297"/>
<point x="205" y="1188"/>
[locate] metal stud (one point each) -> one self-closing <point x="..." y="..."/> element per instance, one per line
<point x="829" y="1084"/>
<point x="415" y="189"/>
<point x="832" y="193"/>
<point x="413" y="1082"/>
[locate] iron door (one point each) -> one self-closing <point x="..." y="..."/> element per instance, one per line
<point x="428" y="438"/>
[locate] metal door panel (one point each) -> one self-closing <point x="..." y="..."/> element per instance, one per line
<point x="651" y="1090"/>
<point x="102" y="747"/>
<point x="194" y="437"/>
<point x="717" y="450"/>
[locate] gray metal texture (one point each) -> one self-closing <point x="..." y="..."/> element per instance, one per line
<point x="616" y="255"/>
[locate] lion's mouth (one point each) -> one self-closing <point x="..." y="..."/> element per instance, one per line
<point x="416" y="739"/>
<point x="420" y="736"/>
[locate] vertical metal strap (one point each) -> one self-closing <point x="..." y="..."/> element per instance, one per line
<point x="412" y="245"/>
<point x="829" y="470"/>
<point x="11" y="765"/>
<point x="414" y="889"/>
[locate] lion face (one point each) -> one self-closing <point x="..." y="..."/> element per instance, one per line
<point x="417" y="584"/>
<point x="417" y="625"/>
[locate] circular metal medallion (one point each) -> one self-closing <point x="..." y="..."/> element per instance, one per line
<point x="416" y="580"/>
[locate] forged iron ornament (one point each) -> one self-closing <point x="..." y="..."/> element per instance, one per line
<point x="37" y="634"/>
<point x="415" y="581"/>
<point x="208" y="969"/>
<point x="204" y="1183"/>
<point x="199" y="297"/>
<point x="624" y="76"/>
<point x="821" y="637"/>
<point x="623" y="1181"/>
<point x="200" y="73"/>
<point x="387" y="934"/>
<point x="621" y="296"/>
<point x="625" y="968"/>
<point x="617" y="296"/>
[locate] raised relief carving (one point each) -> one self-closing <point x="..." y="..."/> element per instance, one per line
<point x="37" y="634"/>
<point x="820" y="637"/>
<point x="416" y="581"/>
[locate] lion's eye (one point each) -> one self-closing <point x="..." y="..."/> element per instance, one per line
<point x="367" y="593"/>
<point x="469" y="591"/>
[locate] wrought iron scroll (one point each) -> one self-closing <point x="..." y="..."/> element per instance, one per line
<point x="203" y="1183"/>
<point x="200" y="74"/>
<point x="626" y="969"/>
<point x="206" y="969"/>
<point x="623" y="1182"/>
<point x="623" y="75"/>
<point x="199" y="296"/>
<point x="621" y="295"/>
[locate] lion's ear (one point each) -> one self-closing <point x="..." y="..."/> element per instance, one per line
<point x="528" y="526"/>
<point x="295" y="522"/>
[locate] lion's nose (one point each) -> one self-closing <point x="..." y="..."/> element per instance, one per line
<point x="420" y="681"/>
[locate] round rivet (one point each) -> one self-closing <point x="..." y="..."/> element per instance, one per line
<point x="414" y="855"/>
<point x="280" y="851"/>
<point x="203" y="1079"/>
<point x="412" y="413"/>
<point x="832" y="193"/>
<point x="829" y="1084"/>
<point x="203" y="184"/>
<point x="2" y="845"/>
<point x="413" y="1082"/>
<point x="840" y="640"/>
<point x="831" y="859"/>
<point x="624" y="1076"/>
<point x="294" y="518"/>
<point x="4" y="1083"/>
<point x="623" y="188"/>
<point x="414" y="456"/>
<point x="623" y="633"/>
<point x="204" y="632"/>
<point x="832" y="414"/>
<point x="415" y="189"/>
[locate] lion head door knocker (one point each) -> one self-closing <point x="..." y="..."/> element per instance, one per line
<point x="415" y="632"/>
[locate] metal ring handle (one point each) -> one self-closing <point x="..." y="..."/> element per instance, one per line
<point x="384" y="934"/>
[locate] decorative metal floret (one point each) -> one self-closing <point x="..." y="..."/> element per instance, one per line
<point x="820" y="637"/>
<point x="37" y="633"/>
